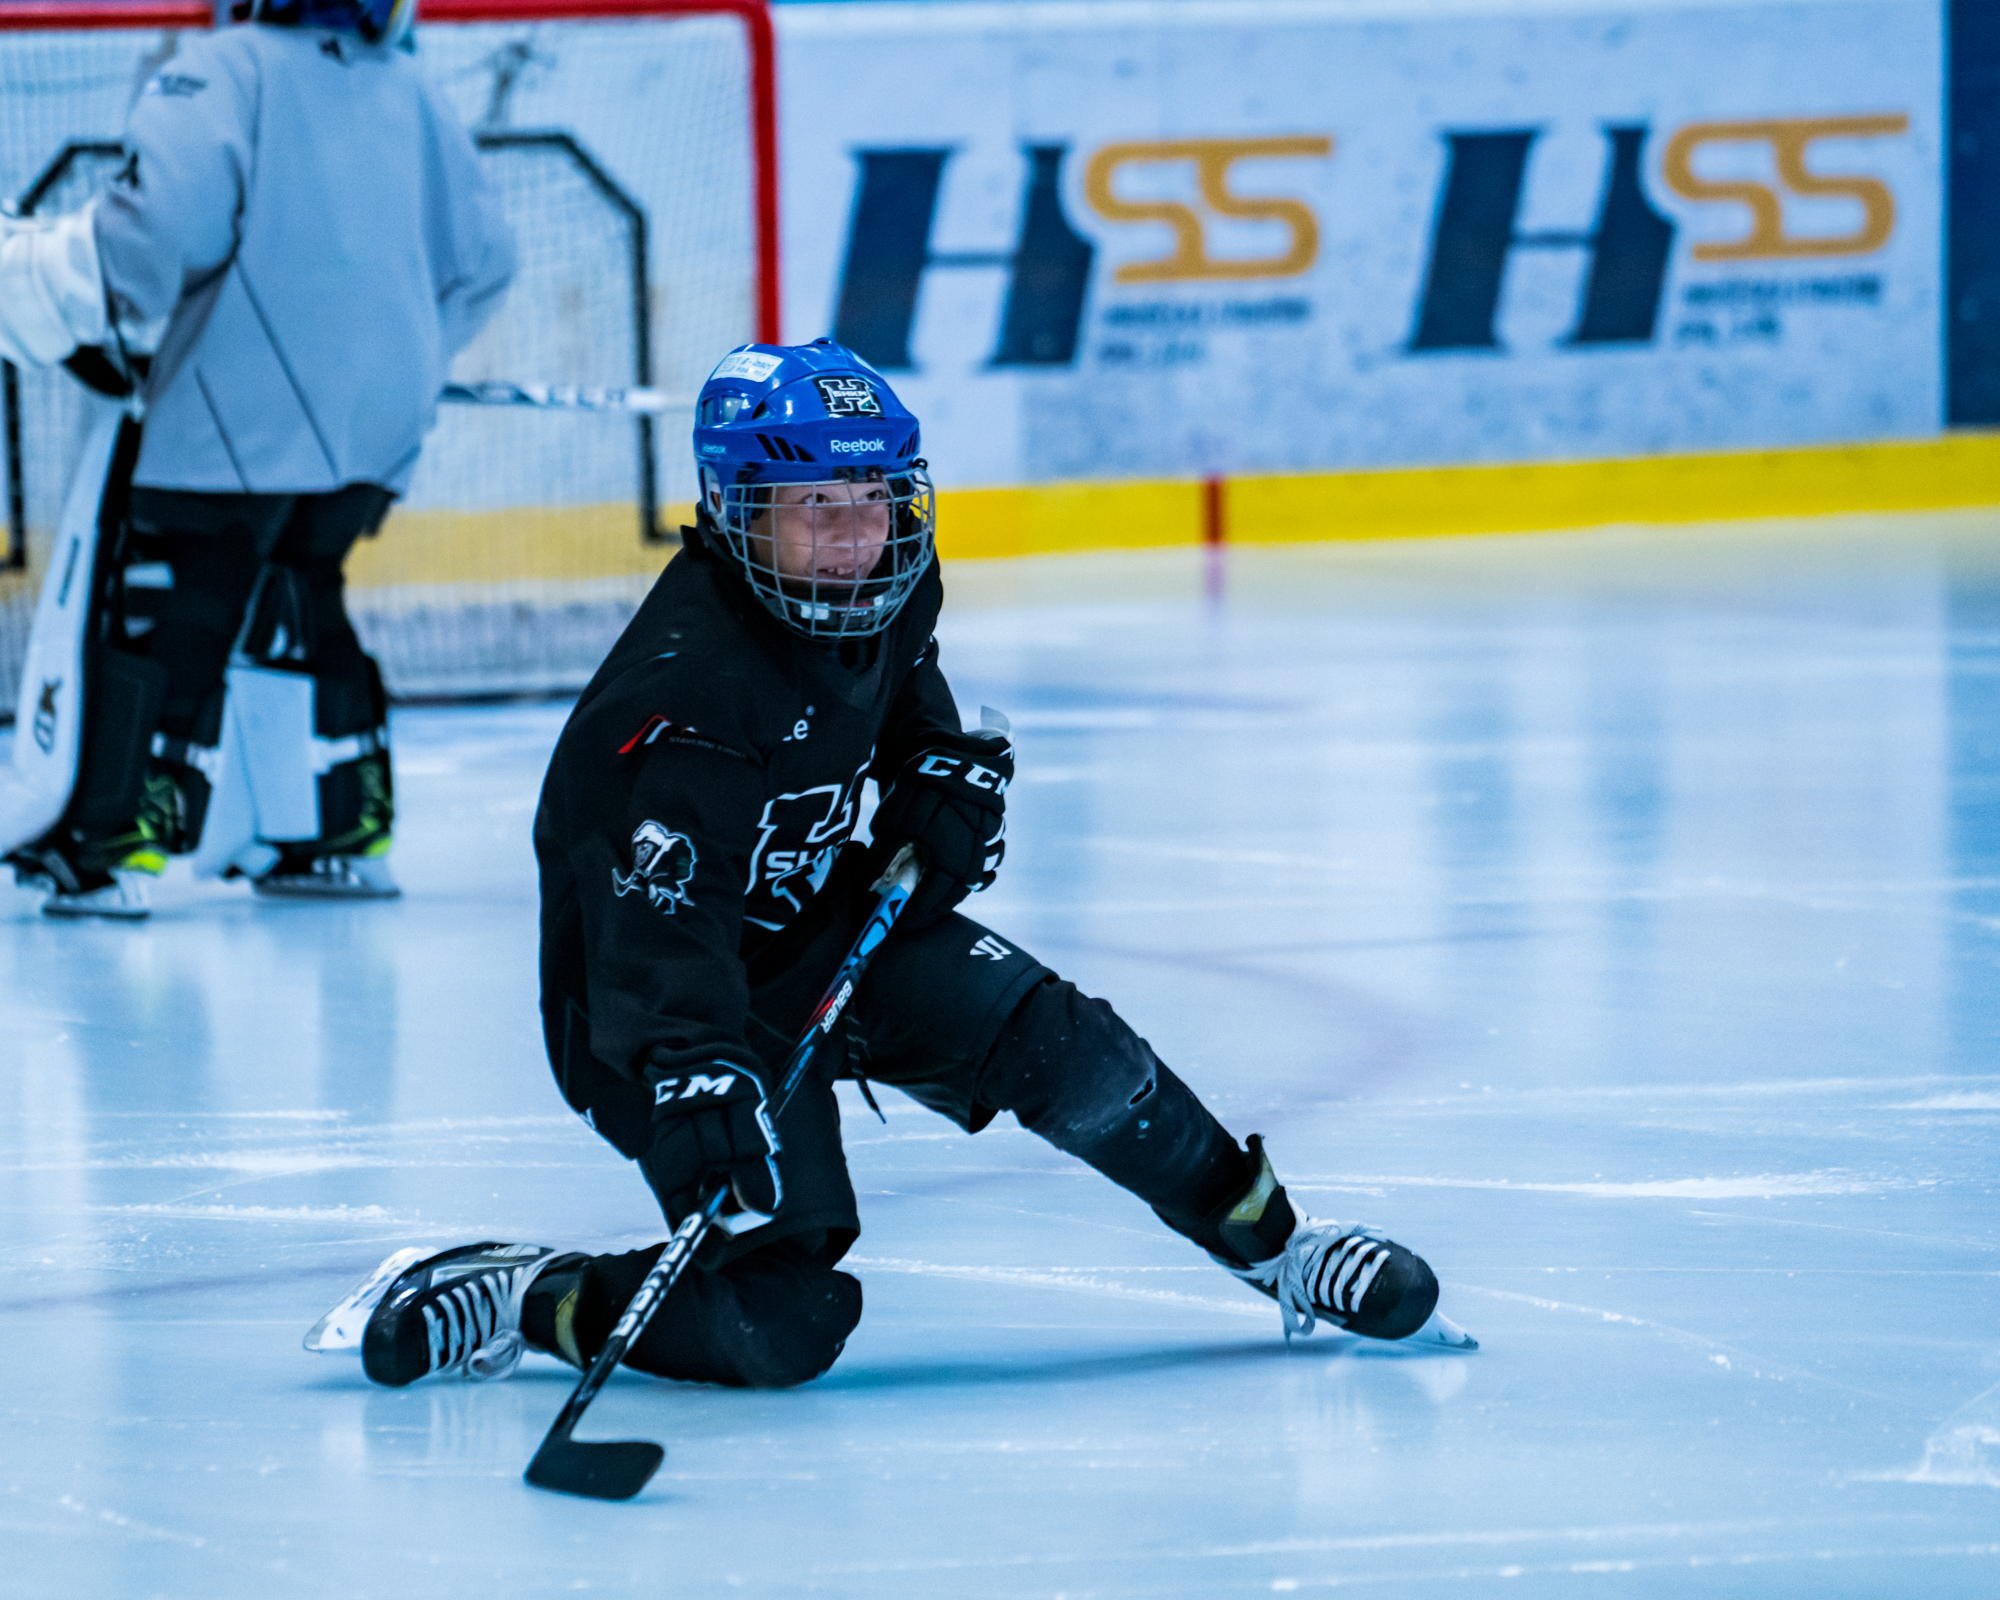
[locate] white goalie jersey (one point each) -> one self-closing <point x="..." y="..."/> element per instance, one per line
<point x="302" y="239"/>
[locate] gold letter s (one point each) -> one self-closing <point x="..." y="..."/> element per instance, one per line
<point x="1767" y="239"/>
<point x="1213" y="159"/>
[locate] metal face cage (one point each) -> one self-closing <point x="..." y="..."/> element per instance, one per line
<point x="836" y="558"/>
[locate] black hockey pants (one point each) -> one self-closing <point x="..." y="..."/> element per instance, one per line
<point x="216" y="545"/>
<point x="966" y="1024"/>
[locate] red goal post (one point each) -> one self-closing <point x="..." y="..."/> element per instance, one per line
<point x="634" y="143"/>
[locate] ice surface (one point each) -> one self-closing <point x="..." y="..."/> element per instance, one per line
<point x="1615" y="918"/>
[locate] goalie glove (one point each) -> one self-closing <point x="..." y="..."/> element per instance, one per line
<point x="712" y="1124"/>
<point x="51" y="289"/>
<point x="950" y="801"/>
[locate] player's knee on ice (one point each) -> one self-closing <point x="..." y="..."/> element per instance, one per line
<point x="1072" y="1071"/>
<point x="771" y="1319"/>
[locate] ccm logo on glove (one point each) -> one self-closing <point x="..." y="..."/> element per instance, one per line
<point x="709" y="1126"/>
<point x="935" y="764"/>
<point x="950" y="801"/>
<point x="664" y="1090"/>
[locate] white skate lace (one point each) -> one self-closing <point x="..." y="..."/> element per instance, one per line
<point x="1324" y="1270"/>
<point x="475" y="1325"/>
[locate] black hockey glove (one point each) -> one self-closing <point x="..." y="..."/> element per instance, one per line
<point x="713" y="1123"/>
<point x="950" y="801"/>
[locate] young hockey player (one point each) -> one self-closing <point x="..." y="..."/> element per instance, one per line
<point x="698" y="889"/>
<point x="297" y="242"/>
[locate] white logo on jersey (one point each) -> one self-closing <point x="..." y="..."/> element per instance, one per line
<point x="991" y="948"/>
<point x="797" y="837"/>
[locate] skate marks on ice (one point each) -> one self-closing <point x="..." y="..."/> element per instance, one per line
<point x="1759" y="1186"/>
<point x="1419" y="1560"/>
<point x="294" y="1145"/>
<point x="96" y="1519"/>
<point x="1964" y="1451"/>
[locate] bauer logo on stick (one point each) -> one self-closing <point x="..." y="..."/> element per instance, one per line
<point x="662" y="865"/>
<point x="849" y="397"/>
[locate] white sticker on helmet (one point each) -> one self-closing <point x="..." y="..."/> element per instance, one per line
<point x="756" y="365"/>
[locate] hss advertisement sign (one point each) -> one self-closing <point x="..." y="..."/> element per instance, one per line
<point x="1101" y="242"/>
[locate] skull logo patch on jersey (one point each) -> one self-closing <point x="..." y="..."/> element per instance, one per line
<point x="662" y="865"/>
<point x="849" y="397"/>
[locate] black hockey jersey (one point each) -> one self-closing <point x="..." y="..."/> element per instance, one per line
<point x="694" y="806"/>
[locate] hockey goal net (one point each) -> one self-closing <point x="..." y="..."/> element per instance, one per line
<point x="632" y="143"/>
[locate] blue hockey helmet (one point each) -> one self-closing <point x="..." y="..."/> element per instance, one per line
<point x="810" y="473"/>
<point x="371" y="21"/>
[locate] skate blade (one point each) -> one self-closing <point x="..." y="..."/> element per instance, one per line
<point x="1440" y="1329"/>
<point x="342" y="1327"/>
<point x="305" y="889"/>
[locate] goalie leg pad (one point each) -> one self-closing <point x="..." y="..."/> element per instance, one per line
<point x="63" y="644"/>
<point x="104" y="810"/>
<point x="273" y="714"/>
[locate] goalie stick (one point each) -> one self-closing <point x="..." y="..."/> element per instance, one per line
<point x="565" y="397"/>
<point x="619" y="1469"/>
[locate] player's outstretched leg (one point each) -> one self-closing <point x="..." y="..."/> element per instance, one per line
<point x="455" y="1312"/>
<point x="1071" y="1070"/>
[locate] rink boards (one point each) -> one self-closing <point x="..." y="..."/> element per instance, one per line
<point x="1365" y="263"/>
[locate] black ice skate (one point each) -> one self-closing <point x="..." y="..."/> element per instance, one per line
<point x="1348" y="1273"/>
<point x="456" y="1312"/>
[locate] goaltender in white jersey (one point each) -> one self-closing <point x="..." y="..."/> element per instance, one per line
<point x="297" y="244"/>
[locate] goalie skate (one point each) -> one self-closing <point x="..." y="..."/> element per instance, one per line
<point x="330" y="878"/>
<point x="126" y="898"/>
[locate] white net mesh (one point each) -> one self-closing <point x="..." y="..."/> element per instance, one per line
<point x="623" y="153"/>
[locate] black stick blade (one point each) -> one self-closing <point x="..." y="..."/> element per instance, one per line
<point x="611" y="1471"/>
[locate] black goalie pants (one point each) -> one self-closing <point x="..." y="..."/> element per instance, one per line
<point x="217" y="546"/>
<point x="965" y="1023"/>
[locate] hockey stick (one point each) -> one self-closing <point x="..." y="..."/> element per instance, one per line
<point x="565" y="397"/>
<point x="617" y="1470"/>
